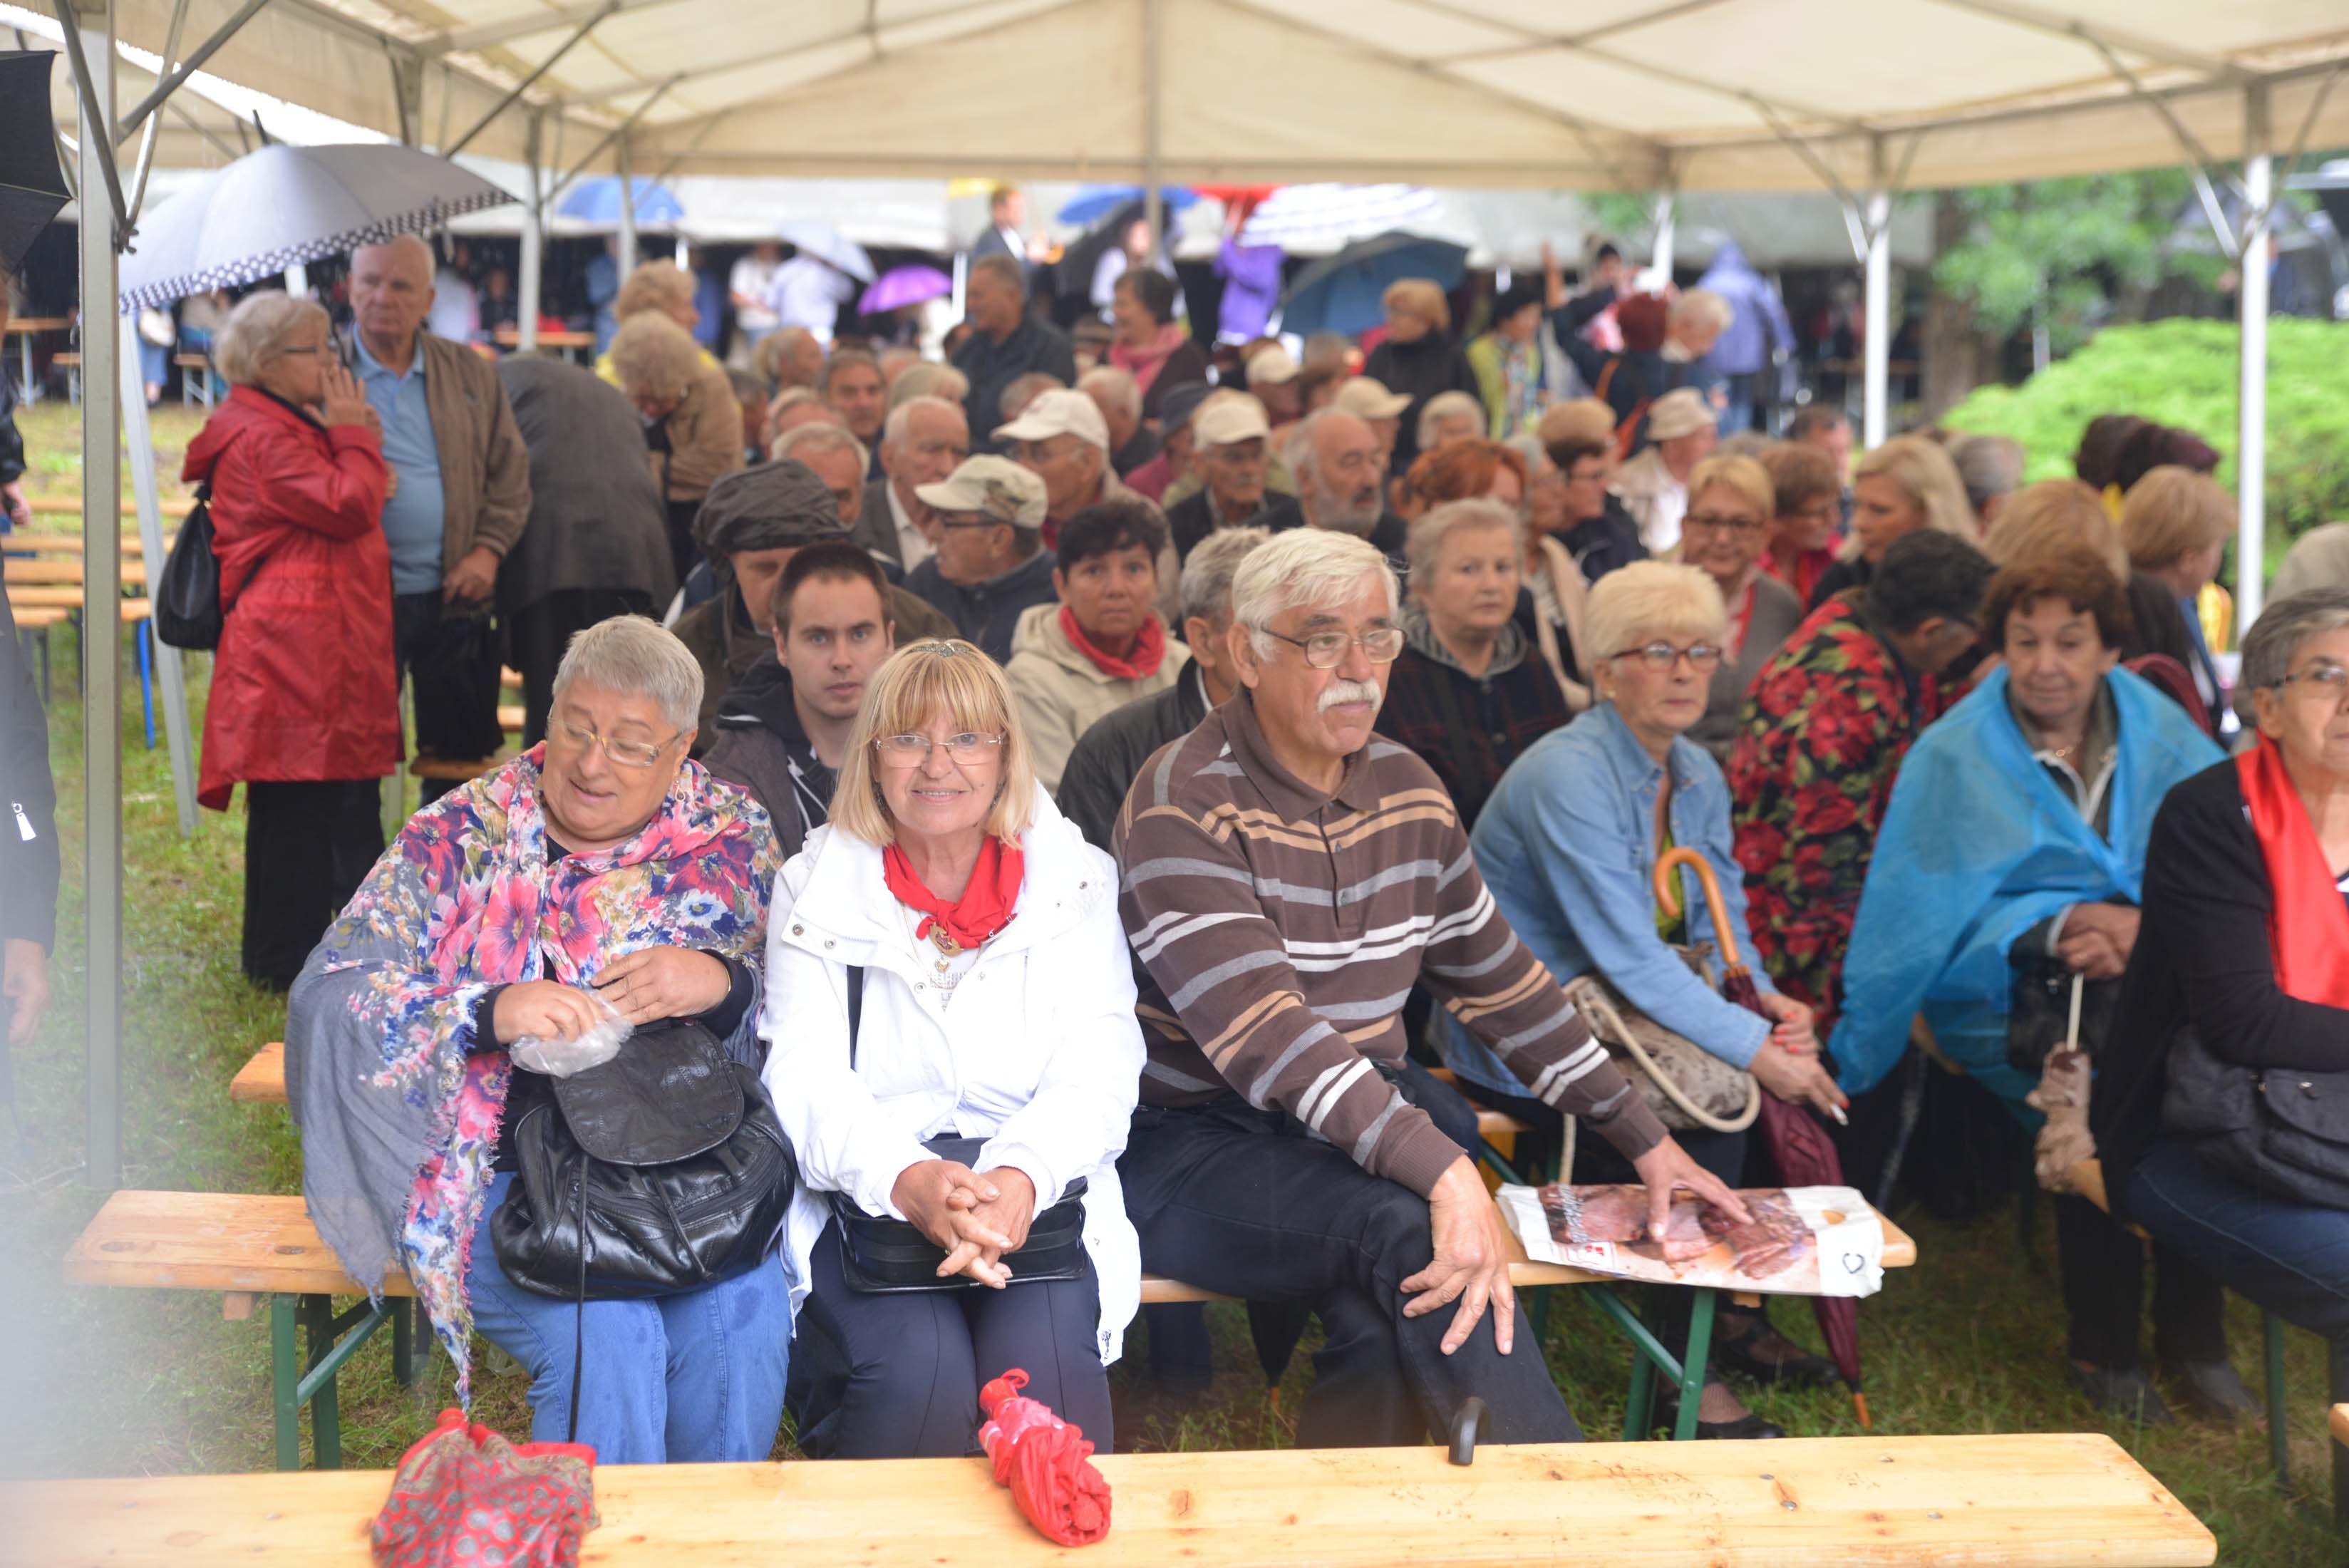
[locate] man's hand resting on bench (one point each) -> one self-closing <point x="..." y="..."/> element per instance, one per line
<point x="1471" y="1264"/>
<point x="1667" y="1169"/>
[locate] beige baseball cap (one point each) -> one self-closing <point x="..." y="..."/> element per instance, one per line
<point x="1227" y="420"/>
<point x="1682" y="411"/>
<point x="995" y="487"/>
<point x="1062" y="412"/>
<point x="1272" y="366"/>
<point x="1367" y="398"/>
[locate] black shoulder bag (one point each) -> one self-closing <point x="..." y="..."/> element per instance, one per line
<point x="188" y="595"/>
<point x="881" y="1254"/>
<point x="2281" y="1130"/>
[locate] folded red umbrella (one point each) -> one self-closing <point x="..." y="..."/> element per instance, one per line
<point x="1045" y="1461"/>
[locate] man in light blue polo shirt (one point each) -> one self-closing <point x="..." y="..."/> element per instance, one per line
<point x="412" y="513"/>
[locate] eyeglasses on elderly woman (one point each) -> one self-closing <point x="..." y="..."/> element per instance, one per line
<point x="628" y="753"/>
<point x="910" y="750"/>
<point x="2327" y="680"/>
<point x="1703" y="656"/>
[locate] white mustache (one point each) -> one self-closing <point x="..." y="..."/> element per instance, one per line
<point x="1338" y="692"/>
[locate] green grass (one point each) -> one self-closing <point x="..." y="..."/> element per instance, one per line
<point x="121" y="1381"/>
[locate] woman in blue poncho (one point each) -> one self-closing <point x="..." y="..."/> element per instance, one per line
<point x="2013" y="850"/>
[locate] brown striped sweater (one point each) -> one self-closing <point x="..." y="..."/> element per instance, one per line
<point x="1279" y="930"/>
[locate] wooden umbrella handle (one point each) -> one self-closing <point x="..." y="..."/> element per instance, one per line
<point x="1667" y="895"/>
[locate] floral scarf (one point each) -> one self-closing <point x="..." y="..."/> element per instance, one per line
<point x="1146" y="362"/>
<point x="398" y="1104"/>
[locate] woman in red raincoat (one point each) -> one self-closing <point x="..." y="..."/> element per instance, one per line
<point x="305" y="704"/>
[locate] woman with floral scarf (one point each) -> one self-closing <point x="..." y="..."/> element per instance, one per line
<point x="601" y="869"/>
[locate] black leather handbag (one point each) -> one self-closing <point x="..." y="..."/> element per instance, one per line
<point x="660" y="1171"/>
<point x="188" y="595"/>
<point x="881" y="1255"/>
<point x="2280" y="1130"/>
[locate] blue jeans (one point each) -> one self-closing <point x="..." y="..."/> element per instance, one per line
<point x="689" y="1378"/>
<point x="2291" y="1258"/>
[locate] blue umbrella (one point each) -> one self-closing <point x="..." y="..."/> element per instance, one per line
<point x="1341" y="293"/>
<point x="1093" y="202"/>
<point x="597" y="201"/>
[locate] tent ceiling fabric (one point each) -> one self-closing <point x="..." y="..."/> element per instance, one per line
<point x="1603" y="94"/>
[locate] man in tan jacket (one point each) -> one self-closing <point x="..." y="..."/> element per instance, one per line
<point x="460" y="496"/>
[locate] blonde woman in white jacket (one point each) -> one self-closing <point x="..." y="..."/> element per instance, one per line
<point x="997" y="1004"/>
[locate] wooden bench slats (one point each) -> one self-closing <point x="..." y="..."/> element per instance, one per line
<point x="55" y="569"/>
<point x="2033" y="1500"/>
<point x="2338" y="1419"/>
<point x="71" y="505"/>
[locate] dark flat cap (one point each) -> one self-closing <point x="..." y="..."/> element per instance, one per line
<point x="774" y="506"/>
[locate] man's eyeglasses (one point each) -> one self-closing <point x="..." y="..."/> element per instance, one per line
<point x="627" y="754"/>
<point x="1721" y="520"/>
<point x="1703" y="656"/>
<point x="1327" y="649"/>
<point x="912" y="751"/>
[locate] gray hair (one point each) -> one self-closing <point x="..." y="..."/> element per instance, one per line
<point x="652" y="355"/>
<point x="841" y="359"/>
<point x="900" y="423"/>
<point x="1108" y="384"/>
<point x="1648" y="599"/>
<point x="1022" y="390"/>
<point x="1003" y="268"/>
<point x="1529" y="446"/>
<point x="1703" y="307"/>
<point x="1300" y="448"/>
<point x="1207" y="574"/>
<point x="2282" y="627"/>
<point x="1989" y="466"/>
<point x="1442" y="406"/>
<point x="929" y="380"/>
<point x="637" y="657"/>
<point x="1315" y="568"/>
<point x="821" y="438"/>
<point x="1428" y="530"/>
<point x="257" y="330"/>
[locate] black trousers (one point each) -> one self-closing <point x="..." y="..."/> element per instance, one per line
<point x="307" y="847"/>
<point x="896" y="1375"/>
<point x="1245" y="1204"/>
<point x="2103" y="1290"/>
<point x="540" y="633"/>
<point x="449" y="657"/>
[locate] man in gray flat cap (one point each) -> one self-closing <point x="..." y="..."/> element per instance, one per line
<point x="750" y="524"/>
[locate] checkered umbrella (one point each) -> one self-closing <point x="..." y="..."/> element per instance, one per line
<point x="283" y="206"/>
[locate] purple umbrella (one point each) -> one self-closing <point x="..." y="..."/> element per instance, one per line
<point x="903" y="286"/>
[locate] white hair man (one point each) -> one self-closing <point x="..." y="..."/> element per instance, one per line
<point x="924" y="439"/>
<point x="1340" y="482"/>
<point x="460" y="492"/>
<point x="1301" y="993"/>
<point x="1119" y="396"/>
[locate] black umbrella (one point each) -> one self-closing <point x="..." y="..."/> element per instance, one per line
<point x="32" y="185"/>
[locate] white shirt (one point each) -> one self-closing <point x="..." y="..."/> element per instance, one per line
<point x="807" y="293"/>
<point x="1041" y="1056"/>
<point x="914" y="547"/>
<point x="1654" y="498"/>
<point x="750" y="279"/>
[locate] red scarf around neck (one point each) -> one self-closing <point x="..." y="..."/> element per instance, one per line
<point x="2308" y="925"/>
<point x="1149" y="649"/>
<point x="986" y="905"/>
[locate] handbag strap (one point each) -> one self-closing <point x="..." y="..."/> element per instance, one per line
<point x="1599" y="998"/>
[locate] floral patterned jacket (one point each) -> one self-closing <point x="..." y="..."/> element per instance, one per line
<point x="398" y="1103"/>
<point x="1820" y="737"/>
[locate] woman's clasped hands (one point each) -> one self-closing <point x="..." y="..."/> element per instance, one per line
<point x="977" y="1217"/>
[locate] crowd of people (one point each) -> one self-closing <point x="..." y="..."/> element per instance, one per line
<point x="1091" y="797"/>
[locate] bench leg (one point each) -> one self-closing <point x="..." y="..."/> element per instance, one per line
<point x="325" y="1413"/>
<point x="1692" y="1363"/>
<point x="2278" y="1448"/>
<point x="411" y="1343"/>
<point x="285" y="1380"/>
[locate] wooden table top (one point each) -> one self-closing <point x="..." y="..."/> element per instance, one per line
<point x="20" y="326"/>
<point x="2046" y="1501"/>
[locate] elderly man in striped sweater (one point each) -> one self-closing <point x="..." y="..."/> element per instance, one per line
<point x="1289" y="877"/>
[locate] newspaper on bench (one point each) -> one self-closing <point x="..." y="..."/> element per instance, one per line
<point x="1802" y="1242"/>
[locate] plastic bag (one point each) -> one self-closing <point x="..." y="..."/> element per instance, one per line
<point x="466" y="1494"/>
<point x="559" y="1058"/>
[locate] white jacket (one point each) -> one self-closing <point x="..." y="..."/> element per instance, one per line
<point x="1040" y="1054"/>
<point x="1654" y="499"/>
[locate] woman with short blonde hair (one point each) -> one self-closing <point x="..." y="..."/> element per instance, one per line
<point x="2175" y="524"/>
<point x="1421" y="359"/>
<point x="1906" y="484"/>
<point x="693" y="425"/>
<point x="658" y="285"/>
<point x="1731" y="513"/>
<point x="258" y="330"/>
<point x="952" y="1042"/>
<point x="1420" y="298"/>
<point x="2055" y="514"/>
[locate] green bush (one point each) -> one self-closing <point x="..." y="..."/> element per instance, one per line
<point x="2182" y="372"/>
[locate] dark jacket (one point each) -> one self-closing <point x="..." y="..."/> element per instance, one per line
<point x="1469" y="728"/>
<point x="28" y="833"/>
<point x="992" y="365"/>
<point x="1852" y="573"/>
<point x="595" y="517"/>
<point x="1193" y="518"/>
<point x="1102" y="768"/>
<point x="1628" y="380"/>
<point x="762" y="746"/>
<point x="986" y="613"/>
<point x="2203" y="959"/>
<point x="1139" y="448"/>
<point x="12" y="441"/>
<point x="1286" y="511"/>
<point x="1601" y="543"/>
<point x="719" y="634"/>
<point x="1435" y="363"/>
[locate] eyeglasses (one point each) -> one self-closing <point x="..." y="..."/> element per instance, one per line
<point x="974" y="523"/>
<point x="1327" y="649"/>
<point x="1703" y="656"/>
<point x="313" y="348"/>
<point x="2330" y="681"/>
<point x="627" y="754"/>
<point x="912" y="751"/>
<point x="1723" y="521"/>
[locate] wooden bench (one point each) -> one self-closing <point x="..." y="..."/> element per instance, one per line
<point x="59" y="505"/>
<point x="62" y="568"/>
<point x="452" y="769"/>
<point x="2028" y="1500"/>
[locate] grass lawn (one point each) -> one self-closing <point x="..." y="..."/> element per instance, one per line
<point x="113" y="1383"/>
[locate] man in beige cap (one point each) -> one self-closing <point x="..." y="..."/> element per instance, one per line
<point x="1231" y="442"/>
<point x="1653" y="487"/>
<point x="1369" y="402"/>
<point x="1062" y="439"/>
<point x="1272" y="378"/>
<point x="991" y="563"/>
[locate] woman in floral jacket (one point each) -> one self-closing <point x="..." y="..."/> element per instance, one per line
<point x="1821" y="734"/>
<point x="601" y="869"/>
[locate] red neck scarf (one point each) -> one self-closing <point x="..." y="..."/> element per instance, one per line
<point x="986" y="905"/>
<point x="1144" y="363"/>
<point x="2308" y="925"/>
<point x="1149" y="649"/>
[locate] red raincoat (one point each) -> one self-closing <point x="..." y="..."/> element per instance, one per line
<point x="304" y="685"/>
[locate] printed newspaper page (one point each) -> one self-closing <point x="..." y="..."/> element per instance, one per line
<point x="1801" y="1241"/>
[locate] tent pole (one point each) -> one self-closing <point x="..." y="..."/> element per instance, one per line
<point x="627" y="256"/>
<point x="1667" y="216"/>
<point x="1878" y="305"/>
<point x="170" y="676"/>
<point x="1153" y="200"/>
<point x="533" y="244"/>
<point x="101" y="648"/>
<point x="2250" y="449"/>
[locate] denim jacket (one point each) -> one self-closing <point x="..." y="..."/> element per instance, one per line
<point x="1567" y="844"/>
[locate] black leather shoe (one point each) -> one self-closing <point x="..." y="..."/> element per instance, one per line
<point x="1746" y="1426"/>
<point x="2128" y="1394"/>
<point x="1798" y="1370"/>
<point x="2210" y="1389"/>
